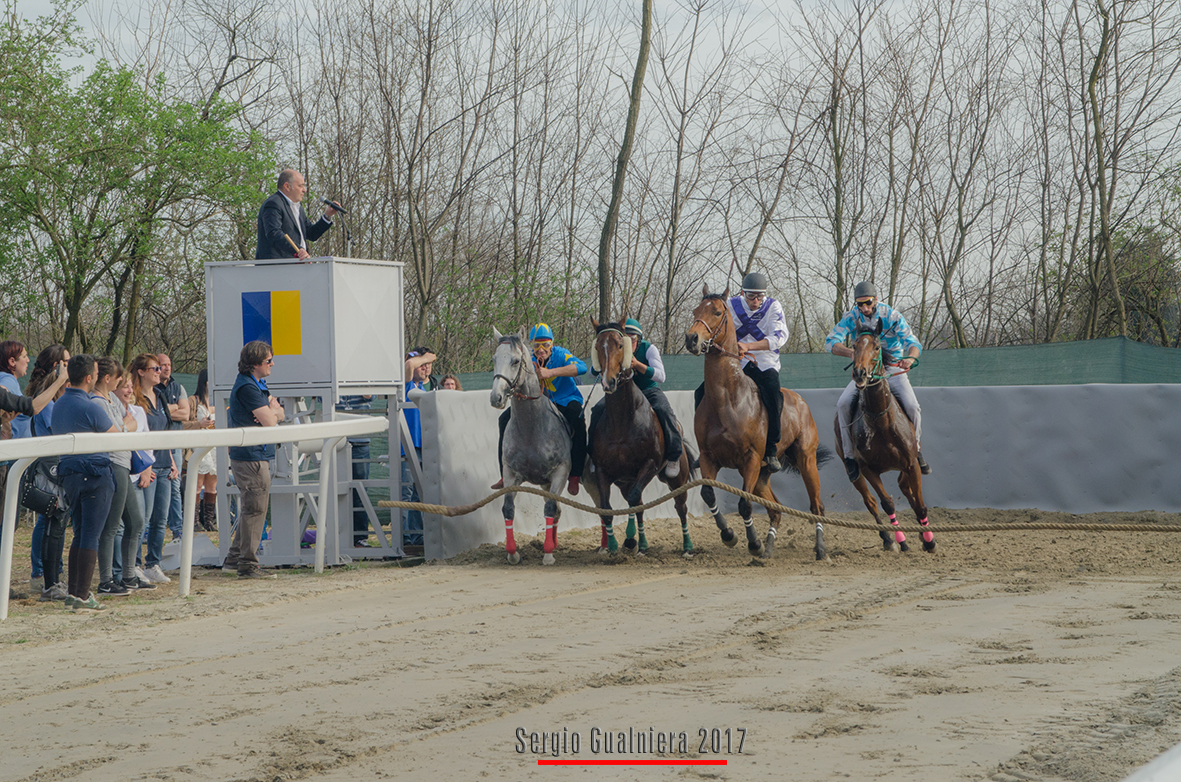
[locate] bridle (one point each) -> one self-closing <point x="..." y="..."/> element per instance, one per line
<point x="712" y="343"/>
<point x="624" y="374"/>
<point x="514" y="383"/>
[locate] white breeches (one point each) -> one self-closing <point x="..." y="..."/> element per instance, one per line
<point x="900" y="386"/>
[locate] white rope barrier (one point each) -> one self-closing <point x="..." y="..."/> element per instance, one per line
<point x="26" y="450"/>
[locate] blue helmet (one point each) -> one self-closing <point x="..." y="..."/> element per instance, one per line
<point x="541" y="331"/>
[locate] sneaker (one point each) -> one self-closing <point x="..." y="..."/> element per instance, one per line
<point x="156" y="575"/>
<point x="672" y="468"/>
<point x="55" y="592"/>
<point x="113" y="589"/>
<point x="924" y="468"/>
<point x="136" y="584"/>
<point x="256" y="572"/>
<point x="89" y="604"/>
<point x="572" y="486"/>
<point x="771" y="462"/>
<point x="852" y="469"/>
<point x="229" y="567"/>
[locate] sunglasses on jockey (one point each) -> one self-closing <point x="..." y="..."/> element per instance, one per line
<point x="870" y="302"/>
<point x="543" y="344"/>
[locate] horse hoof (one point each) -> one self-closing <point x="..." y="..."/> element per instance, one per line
<point x="928" y="546"/>
<point x="729" y="538"/>
<point x="514" y="558"/>
<point x="757" y="550"/>
<point x="904" y="547"/>
<point x="630" y="543"/>
<point x="603" y="550"/>
<point x="548" y="559"/>
<point x="769" y="546"/>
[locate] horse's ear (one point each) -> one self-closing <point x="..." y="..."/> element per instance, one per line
<point x="704" y="289"/>
<point x="878" y="330"/>
<point x="726" y="293"/>
<point x="496" y="335"/>
<point x="594" y="323"/>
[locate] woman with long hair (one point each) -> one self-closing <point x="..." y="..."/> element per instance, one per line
<point x="48" y="545"/>
<point x="155" y="483"/>
<point x="110" y="372"/>
<point x="207" y="469"/>
<point x="14" y="362"/>
<point x="127" y="542"/>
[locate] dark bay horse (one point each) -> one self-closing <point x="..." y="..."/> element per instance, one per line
<point x="536" y="442"/>
<point x="883" y="440"/>
<point x="627" y="442"/>
<point x="731" y="427"/>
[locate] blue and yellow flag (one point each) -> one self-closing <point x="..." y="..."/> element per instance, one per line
<point x="274" y="317"/>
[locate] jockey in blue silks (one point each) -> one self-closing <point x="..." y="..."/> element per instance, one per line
<point x="761" y="329"/>
<point x="900" y="348"/>
<point x="556" y="369"/>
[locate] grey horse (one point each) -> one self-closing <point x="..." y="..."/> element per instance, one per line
<point x="536" y="443"/>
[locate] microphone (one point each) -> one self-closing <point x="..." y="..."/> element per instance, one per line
<point x="334" y="205"/>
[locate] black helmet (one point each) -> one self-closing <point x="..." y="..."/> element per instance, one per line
<point x="755" y="283"/>
<point x="864" y="289"/>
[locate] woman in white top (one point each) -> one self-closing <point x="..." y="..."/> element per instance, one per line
<point x="133" y="510"/>
<point x="207" y="470"/>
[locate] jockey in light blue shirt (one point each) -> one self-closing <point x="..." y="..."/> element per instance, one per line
<point x="900" y="347"/>
<point x="556" y="369"/>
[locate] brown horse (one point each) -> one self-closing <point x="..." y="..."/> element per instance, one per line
<point x="627" y="442"/>
<point x="883" y="440"/>
<point x="731" y="427"/>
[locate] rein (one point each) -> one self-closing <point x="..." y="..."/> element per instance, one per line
<point x="712" y="342"/>
<point x="515" y="383"/>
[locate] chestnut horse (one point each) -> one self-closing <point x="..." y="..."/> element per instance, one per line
<point x="627" y="444"/>
<point x="731" y="427"/>
<point x="883" y="440"/>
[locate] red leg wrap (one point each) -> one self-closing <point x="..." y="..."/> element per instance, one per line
<point x="551" y="536"/>
<point x="510" y="543"/>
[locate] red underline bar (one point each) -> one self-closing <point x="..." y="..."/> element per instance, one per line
<point x="632" y="762"/>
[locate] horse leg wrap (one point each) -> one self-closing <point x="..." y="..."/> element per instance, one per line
<point x="551" y="536"/>
<point x="603" y="541"/>
<point x="510" y="543"/>
<point x="713" y="510"/>
<point x="749" y="522"/>
<point x="899" y="535"/>
<point x="631" y="526"/>
<point x="928" y="535"/>
<point x="771" y="533"/>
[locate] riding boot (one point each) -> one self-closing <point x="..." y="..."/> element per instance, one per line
<point x="852" y="469"/>
<point x="924" y="468"/>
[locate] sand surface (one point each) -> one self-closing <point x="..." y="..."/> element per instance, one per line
<point x="1047" y="656"/>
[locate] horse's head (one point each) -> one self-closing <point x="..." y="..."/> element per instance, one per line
<point x="611" y="355"/>
<point x="511" y="366"/>
<point x="711" y="322"/>
<point x="867" y="356"/>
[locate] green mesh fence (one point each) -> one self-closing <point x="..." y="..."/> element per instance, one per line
<point x="1115" y="360"/>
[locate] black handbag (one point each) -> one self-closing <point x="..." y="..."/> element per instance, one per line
<point x="40" y="490"/>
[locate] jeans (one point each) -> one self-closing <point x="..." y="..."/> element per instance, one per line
<point x="90" y="498"/>
<point x="360" y="473"/>
<point x="157" y="498"/>
<point x="175" y="507"/>
<point x="129" y="534"/>
<point x="106" y="543"/>
<point x="411" y="519"/>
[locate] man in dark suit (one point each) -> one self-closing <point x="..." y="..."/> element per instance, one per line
<point x="278" y="217"/>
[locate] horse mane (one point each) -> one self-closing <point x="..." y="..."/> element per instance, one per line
<point x="604" y="326"/>
<point x="714" y="297"/>
<point x="509" y="339"/>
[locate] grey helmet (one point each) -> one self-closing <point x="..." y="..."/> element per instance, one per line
<point x="864" y="289"/>
<point x="755" y="283"/>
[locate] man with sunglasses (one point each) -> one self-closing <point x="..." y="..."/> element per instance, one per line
<point x="556" y="369"/>
<point x="761" y="329"/>
<point x="896" y="338"/>
<point x="251" y="404"/>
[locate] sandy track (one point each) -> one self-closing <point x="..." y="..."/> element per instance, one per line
<point x="1032" y="657"/>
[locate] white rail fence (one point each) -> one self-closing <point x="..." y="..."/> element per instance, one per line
<point x="26" y="450"/>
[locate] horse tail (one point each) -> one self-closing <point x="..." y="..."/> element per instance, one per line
<point x="694" y="461"/>
<point x="823" y="455"/>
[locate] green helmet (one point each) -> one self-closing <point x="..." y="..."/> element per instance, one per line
<point x="632" y="326"/>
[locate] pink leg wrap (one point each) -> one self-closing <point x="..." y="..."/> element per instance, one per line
<point x="928" y="535"/>
<point x="551" y="536"/>
<point x="510" y="543"/>
<point x="899" y="535"/>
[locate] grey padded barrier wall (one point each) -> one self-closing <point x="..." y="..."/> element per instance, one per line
<point x="1078" y="449"/>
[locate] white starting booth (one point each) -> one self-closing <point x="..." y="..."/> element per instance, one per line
<point x="335" y="326"/>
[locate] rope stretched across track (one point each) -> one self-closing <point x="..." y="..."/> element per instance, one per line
<point x="461" y="510"/>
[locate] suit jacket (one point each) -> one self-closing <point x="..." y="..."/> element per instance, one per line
<point x="275" y="219"/>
